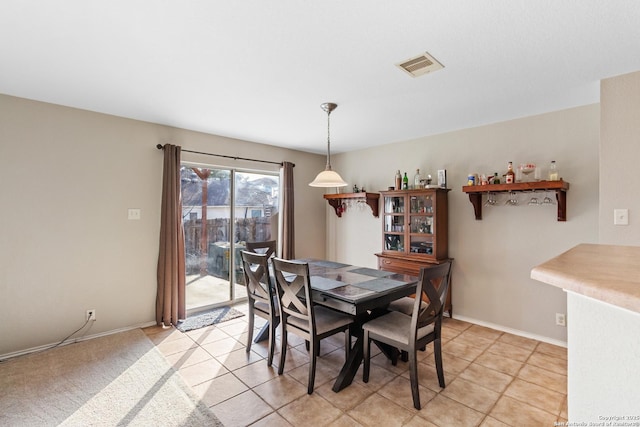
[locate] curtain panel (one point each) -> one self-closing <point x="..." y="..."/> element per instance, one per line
<point x="288" y="229"/>
<point x="170" y="299"/>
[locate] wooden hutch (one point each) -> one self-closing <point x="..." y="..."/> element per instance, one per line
<point x="414" y="231"/>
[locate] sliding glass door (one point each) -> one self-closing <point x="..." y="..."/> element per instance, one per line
<point x="222" y="209"/>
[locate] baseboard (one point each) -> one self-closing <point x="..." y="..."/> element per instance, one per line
<point x="512" y="331"/>
<point x="4" y="357"/>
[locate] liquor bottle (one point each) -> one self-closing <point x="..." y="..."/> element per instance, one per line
<point x="510" y="176"/>
<point x="416" y="179"/>
<point x="405" y="182"/>
<point x="398" y="180"/>
<point x="553" y="171"/>
<point x="496" y="178"/>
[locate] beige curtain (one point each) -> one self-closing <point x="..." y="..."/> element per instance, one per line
<point x="170" y="299"/>
<point x="288" y="235"/>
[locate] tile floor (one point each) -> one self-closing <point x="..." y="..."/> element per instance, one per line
<point x="493" y="379"/>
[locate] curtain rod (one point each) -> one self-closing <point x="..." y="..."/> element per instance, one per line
<point x="161" y="147"/>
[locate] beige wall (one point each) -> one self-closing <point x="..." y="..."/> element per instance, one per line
<point x="494" y="256"/>
<point x="619" y="155"/>
<point x="68" y="177"/>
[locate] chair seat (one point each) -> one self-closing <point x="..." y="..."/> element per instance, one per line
<point x="395" y="326"/>
<point x="404" y="305"/>
<point x="326" y="320"/>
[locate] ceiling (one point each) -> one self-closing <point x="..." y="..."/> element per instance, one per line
<point x="258" y="70"/>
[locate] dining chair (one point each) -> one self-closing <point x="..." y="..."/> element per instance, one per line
<point x="267" y="247"/>
<point x="302" y="317"/>
<point x="412" y="332"/>
<point x="261" y="296"/>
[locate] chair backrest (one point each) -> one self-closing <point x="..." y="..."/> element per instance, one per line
<point x="268" y="247"/>
<point x="257" y="278"/>
<point x="434" y="283"/>
<point x="294" y="290"/>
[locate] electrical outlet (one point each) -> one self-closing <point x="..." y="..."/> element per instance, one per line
<point x="91" y="314"/>
<point x="561" y="320"/>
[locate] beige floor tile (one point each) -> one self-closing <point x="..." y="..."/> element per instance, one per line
<point x="310" y="410"/>
<point x="207" y="335"/>
<point x="512" y="352"/>
<point x="187" y="358"/>
<point x="256" y="373"/>
<point x="551" y="363"/>
<point x="280" y="391"/>
<point x="239" y="358"/>
<point x="177" y="345"/>
<point x="517" y="341"/>
<point x="453" y="323"/>
<point x="473" y="340"/>
<point x="499" y="363"/>
<point x="479" y="364"/>
<point x="461" y="350"/>
<point x="516" y="413"/>
<point x="242" y="409"/>
<point x="384" y="362"/>
<point x="472" y="395"/>
<point x="451" y="364"/>
<point x="486" y="377"/>
<point x="203" y="371"/>
<point x="484" y="332"/>
<point x="418" y="421"/>
<point x="552" y="350"/>
<point x="428" y="377"/>
<point x="380" y="411"/>
<point x="492" y="422"/>
<point x="324" y="374"/>
<point x="534" y="395"/>
<point x="345" y="399"/>
<point x="443" y="411"/>
<point x="219" y="389"/>
<point x="223" y="346"/>
<point x="345" y="421"/>
<point x="378" y="377"/>
<point x="272" y="420"/>
<point x="398" y="390"/>
<point x="544" y="378"/>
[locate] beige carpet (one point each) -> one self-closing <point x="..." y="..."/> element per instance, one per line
<point x="116" y="380"/>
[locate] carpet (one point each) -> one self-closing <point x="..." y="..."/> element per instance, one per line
<point x="208" y="318"/>
<point x="115" y="380"/>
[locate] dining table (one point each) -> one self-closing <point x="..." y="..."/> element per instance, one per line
<point x="359" y="291"/>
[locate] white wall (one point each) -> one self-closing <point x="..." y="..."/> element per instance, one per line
<point x="619" y="154"/>
<point x="494" y="256"/>
<point x="68" y="177"/>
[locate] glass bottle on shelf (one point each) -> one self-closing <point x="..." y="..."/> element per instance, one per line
<point x="416" y="179"/>
<point x="398" y="180"/>
<point x="510" y="176"/>
<point x="496" y="178"/>
<point x="405" y="182"/>
<point x="553" y="171"/>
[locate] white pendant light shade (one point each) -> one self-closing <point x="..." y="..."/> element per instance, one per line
<point x="328" y="177"/>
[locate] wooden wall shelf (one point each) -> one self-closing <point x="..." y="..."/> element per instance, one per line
<point x="337" y="201"/>
<point x="560" y="188"/>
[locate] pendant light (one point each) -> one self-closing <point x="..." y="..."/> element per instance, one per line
<point x="328" y="178"/>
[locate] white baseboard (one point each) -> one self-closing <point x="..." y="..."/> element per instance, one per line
<point x="7" y="356"/>
<point x="512" y="331"/>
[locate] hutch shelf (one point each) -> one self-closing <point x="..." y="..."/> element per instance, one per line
<point x="559" y="187"/>
<point x="414" y="231"/>
<point x="337" y="201"/>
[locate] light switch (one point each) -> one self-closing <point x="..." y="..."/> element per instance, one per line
<point x="134" y="214"/>
<point x="621" y="216"/>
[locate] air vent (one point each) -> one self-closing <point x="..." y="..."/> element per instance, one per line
<point x="420" y="65"/>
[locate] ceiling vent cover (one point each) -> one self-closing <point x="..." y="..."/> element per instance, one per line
<point x="419" y="65"/>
